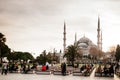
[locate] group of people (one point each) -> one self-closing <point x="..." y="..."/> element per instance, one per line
<point x="107" y="69"/>
<point x="26" y="67"/>
<point x="86" y="69"/>
<point x="14" y="67"/>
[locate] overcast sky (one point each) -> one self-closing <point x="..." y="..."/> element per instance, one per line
<point x="37" y="25"/>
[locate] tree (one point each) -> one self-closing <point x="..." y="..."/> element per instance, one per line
<point x="25" y="56"/>
<point x="49" y="57"/>
<point x="2" y="38"/>
<point x="4" y="49"/>
<point x="112" y="50"/>
<point x="117" y="55"/>
<point x="71" y="54"/>
<point x="42" y="58"/>
<point x="94" y="52"/>
<point x="55" y="58"/>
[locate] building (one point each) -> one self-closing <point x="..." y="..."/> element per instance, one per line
<point x="84" y="43"/>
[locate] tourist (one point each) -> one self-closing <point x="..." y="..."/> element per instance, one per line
<point x="106" y="70"/>
<point x="24" y="68"/>
<point x="82" y="68"/>
<point x="111" y="70"/>
<point x="16" y="67"/>
<point x="87" y="70"/>
<point x="4" y="68"/>
<point x="99" y="70"/>
<point x="116" y="67"/>
<point x="63" y="68"/>
<point x="47" y="65"/>
<point x="43" y="68"/>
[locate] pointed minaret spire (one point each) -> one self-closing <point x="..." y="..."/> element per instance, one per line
<point x="98" y="22"/>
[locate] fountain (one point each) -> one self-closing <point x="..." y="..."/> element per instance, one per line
<point x="93" y="73"/>
<point x="115" y="77"/>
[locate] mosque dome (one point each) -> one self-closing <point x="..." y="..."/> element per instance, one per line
<point x="84" y="42"/>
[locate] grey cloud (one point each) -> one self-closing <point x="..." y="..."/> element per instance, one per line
<point x="5" y="22"/>
<point x="30" y="7"/>
<point x="26" y="18"/>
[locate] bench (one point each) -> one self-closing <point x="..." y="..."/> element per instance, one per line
<point x="59" y="73"/>
<point x="80" y="73"/>
<point x="77" y="73"/>
<point x="97" y="74"/>
<point x="43" y="72"/>
<point x="30" y="72"/>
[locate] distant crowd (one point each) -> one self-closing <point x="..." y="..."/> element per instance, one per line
<point x="85" y="69"/>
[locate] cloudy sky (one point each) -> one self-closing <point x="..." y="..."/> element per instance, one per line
<point x="37" y="25"/>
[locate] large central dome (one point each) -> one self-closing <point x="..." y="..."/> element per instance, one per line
<point x="85" y="44"/>
<point x="84" y="41"/>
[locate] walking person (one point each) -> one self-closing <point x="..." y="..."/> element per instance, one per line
<point x="111" y="70"/>
<point x="4" y="68"/>
<point x="99" y="70"/>
<point x="63" y="68"/>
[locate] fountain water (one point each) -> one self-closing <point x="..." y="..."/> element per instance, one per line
<point x="115" y="77"/>
<point x="93" y="73"/>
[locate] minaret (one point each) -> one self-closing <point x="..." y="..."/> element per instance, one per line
<point x="64" y="44"/>
<point x="99" y="37"/>
<point x="64" y="38"/>
<point x="101" y="41"/>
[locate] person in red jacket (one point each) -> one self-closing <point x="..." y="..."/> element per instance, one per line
<point x="43" y="68"/>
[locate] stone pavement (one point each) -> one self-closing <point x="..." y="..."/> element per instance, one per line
<point x="18" y="76"/>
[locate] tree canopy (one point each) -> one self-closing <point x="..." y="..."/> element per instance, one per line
<point x="20" y="56"/>
<point x="47" y="57"/>
<point x="117" y="55"/>
<point x="71" y="54"/>
<point x="4" y="49"/>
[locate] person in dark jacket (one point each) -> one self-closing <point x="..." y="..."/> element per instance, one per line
<point x="111" y="70"/>
<point x="63" y="68"/>
<point x="106" y="70"/>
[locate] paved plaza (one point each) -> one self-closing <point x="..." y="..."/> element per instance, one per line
<point x="18" y="76"/>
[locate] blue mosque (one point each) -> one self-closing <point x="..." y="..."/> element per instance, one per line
<point x="85" y="44"/>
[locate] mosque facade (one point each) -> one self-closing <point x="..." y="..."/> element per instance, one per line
<point x="84" y="44"/>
